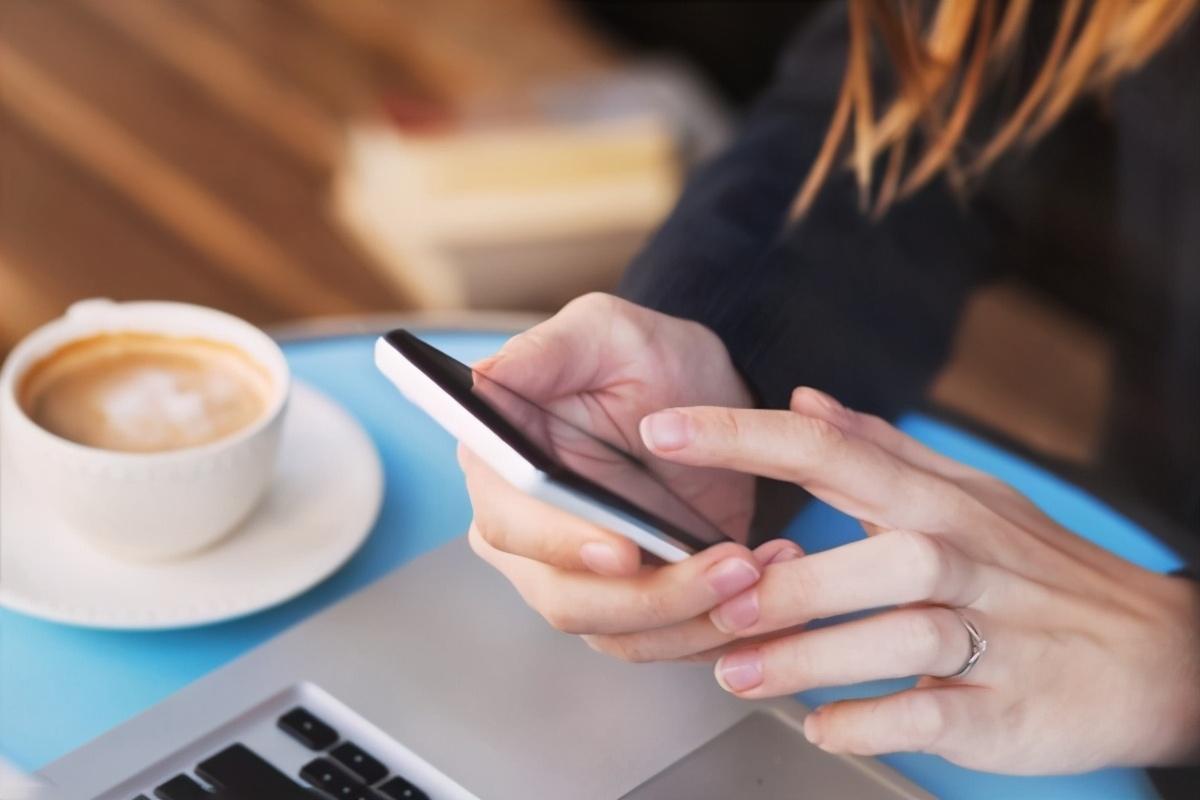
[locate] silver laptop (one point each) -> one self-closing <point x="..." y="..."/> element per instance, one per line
<point x="438" y="682"/>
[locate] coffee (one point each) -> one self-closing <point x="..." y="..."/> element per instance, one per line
<point x="145" y="393"/>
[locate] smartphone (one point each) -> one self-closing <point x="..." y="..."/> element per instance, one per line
<point x="544" y="455"/>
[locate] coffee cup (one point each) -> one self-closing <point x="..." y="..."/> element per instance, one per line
<point x="149" y="428"/>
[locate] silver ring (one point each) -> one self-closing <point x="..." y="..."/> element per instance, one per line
<point x="978" y="646"/>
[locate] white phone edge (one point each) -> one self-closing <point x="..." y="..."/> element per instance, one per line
<point x="423" y="392"/>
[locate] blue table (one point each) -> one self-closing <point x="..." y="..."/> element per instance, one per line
<point x="61" y="686"/>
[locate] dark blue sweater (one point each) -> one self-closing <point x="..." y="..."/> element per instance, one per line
<point x="1103" y="214"/>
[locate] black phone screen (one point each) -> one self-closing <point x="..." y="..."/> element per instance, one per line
<point x="569" y="454"/>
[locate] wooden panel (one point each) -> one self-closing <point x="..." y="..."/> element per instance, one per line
<point x="1031" y="371"/>
<point x="333" y="71"/>
<point x="469" y="48"/>
<point x="65" y="235"/>
<point x="171" y="196"/>
<point x="127" y="175"/>
<point x="257" y="182"/>
<point x="227" y="74"/>
<point x="184" y="148"/>
<point x="28" y="299"/>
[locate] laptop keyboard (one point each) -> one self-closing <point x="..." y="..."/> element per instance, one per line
<point x="341" y="772"/>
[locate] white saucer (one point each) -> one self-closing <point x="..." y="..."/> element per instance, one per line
<point x="326" y="496"/>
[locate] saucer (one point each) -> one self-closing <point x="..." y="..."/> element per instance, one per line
<point x="320" y="508"/>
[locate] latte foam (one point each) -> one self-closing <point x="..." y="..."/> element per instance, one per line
<point x="137" y="392"/>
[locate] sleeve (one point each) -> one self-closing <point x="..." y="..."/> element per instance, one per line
<point x="864" y="310"/>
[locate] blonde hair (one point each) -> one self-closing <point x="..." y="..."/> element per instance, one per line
<point x="946" y="60"/>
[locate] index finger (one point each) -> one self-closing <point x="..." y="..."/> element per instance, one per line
<point x="854" y="475"/>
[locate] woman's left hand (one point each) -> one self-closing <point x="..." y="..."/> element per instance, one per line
<point x="1090" y="661"/>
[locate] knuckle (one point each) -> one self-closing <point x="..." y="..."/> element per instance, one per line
<point x="1017" y="715"/>
<point x="810" y="396"/>
<point x="800" y="588"/>
<point x="698" y="331"/>
<point x="822" y="436"/>
<point x="536" y="343"/>
<point x="493" y="534"/>
<point x="627" y="648"/>
<point x="924" y="636"/>
<point x="562" y="619"/>
<point x="601" y="299"/>
<point x="637" y="654"/>
<point x="475" y="538"/>
<point x="593" y="303"/>
<point x="724" y="422"/>
<point x="863" y="421"/>
<point x="925" y="559"/>
<point x="655" y="607"/>
<point x="924" y="720"/>
<point x="798" y="665"/>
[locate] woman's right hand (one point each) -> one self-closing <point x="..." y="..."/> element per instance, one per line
<point x="603" y="364"/>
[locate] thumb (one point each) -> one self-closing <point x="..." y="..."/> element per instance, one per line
<point x="545" y="362"/>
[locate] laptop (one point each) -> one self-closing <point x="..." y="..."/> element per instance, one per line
<point x="438" y="682"/>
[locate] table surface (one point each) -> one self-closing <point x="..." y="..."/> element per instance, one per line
<point x="61" y="686"/>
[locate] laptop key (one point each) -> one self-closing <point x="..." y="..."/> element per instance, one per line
<point x="334" y="781"/>
<point x="399" y="789"/>
<point x="301" y="725"/>
<point x="182" y="787"/>
<point x="366" y="768"/>
<point x="242" y="773"/>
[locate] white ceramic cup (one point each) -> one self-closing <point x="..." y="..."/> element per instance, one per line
<point x="144" y="506"/>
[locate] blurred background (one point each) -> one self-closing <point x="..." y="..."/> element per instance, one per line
<point x="284" y="160"/>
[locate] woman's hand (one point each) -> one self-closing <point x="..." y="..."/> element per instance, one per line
<point x="1090" y="661"/>
<point x="604" y="364"/>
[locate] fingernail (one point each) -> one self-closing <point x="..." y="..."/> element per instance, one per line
<point x="786" y="554"/>
<point x="737" y="614"/>
<point x="600" y="557"/>
<point x="731" y="576"/>
<point x="812" y="730"/>
<point x="666" y="430"/>
<point x="738" y="672"/>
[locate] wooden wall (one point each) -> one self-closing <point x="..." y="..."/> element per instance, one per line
<point x="182" y="149"/>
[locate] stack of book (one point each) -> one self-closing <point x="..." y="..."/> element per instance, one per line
<point x="517" y="215"/>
